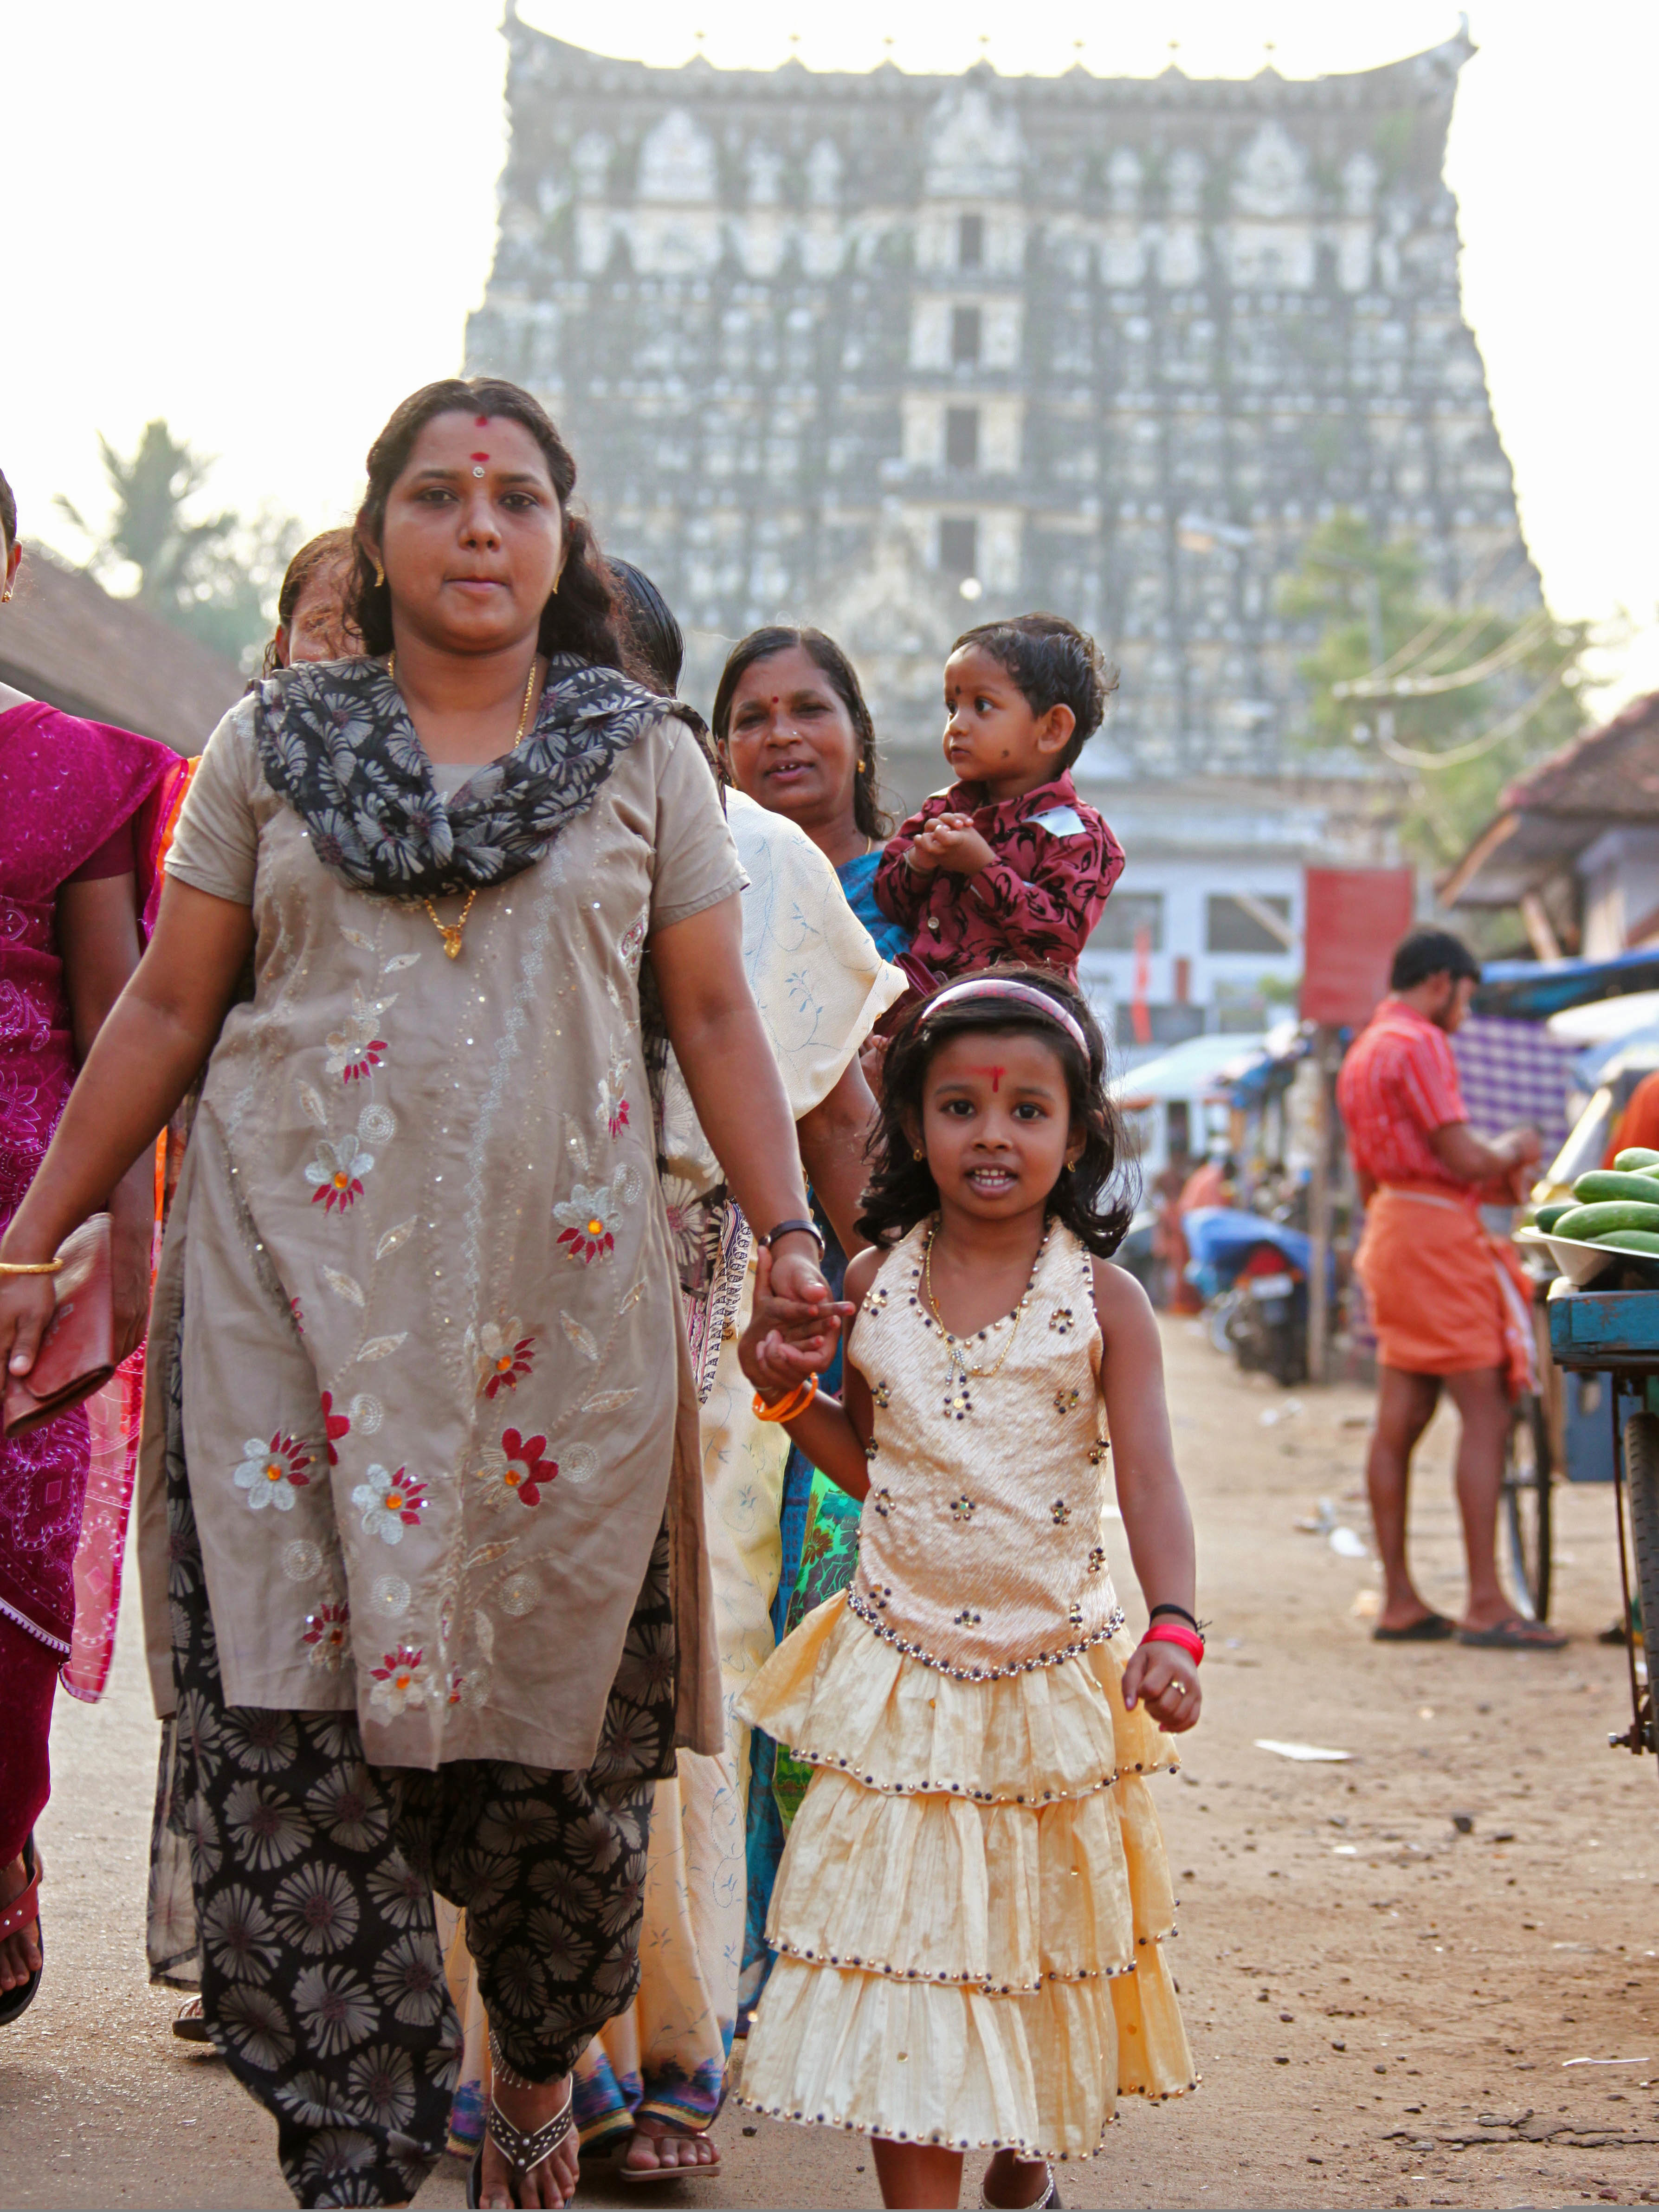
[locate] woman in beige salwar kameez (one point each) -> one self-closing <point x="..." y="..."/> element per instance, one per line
<point x="437" y="1612"/>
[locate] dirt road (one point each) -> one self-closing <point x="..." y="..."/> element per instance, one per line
<point x="1390" y="1967"/>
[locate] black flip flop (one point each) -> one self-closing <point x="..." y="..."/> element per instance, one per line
<point x="1432" y="1628"/>
<point x="1515" y="1635"/>
<point x="23" y="1908"/>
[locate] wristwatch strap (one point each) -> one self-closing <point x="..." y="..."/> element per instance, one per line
<point x="795" y="1229"/>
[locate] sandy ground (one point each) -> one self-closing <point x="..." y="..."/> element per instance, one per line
<point x="1387" y="2010"/>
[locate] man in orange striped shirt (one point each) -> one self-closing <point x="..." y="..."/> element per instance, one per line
<point x="1448" y="1303"/>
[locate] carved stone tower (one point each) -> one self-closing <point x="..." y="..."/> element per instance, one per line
<point x="894" y="353"/>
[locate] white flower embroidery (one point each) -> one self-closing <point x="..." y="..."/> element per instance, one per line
<point x="399" y="1679"/>
<point x="500" y="1351"/>
<point x="337" y="1172"/>
<point x="613" y="1102"/>
<point x="589" y="1216"/>
<point x="355" y="1051"/>
<point x="272" y="1473"/>
<point x="389" y="1504"/>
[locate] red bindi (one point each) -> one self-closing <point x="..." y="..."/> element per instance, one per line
<point x="480" y="420"/>
<point x="478" y="457"/>
<point x="996" y="1075"/>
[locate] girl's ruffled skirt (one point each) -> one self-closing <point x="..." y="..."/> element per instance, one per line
<point x="971" y="1913"/>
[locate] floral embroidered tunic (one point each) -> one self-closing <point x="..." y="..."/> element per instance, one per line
<point x="431" y="1358"/>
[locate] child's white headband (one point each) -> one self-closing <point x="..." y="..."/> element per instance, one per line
<point x="1021" y="994"/>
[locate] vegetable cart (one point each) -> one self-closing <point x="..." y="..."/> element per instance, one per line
<point x="1615" y="1334"/>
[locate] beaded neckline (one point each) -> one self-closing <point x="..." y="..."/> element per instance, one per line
<point x="956" y="1357"/>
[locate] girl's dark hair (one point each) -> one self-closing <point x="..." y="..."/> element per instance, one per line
<point x="782" y="637"/>
<point x="1053" y="664"/>
<point x="902" y="1190"/>
<point x="332" y="549"/>
<point x="581" y="617"/>
<point x="7" y="512"/>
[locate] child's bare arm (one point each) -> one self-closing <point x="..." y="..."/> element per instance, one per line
<point x="1155" y="1520"/>
<point x="832" y="1432"/>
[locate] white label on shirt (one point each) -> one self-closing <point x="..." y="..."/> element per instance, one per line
<point x="1059" y="821"/>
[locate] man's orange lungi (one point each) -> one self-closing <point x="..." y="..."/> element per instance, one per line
<point x="1445" y="1297"/>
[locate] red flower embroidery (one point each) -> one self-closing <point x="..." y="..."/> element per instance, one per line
<point x="328" y="1631"/>
<point x="335" y="1425"/>
<point x="526" y="1470"/>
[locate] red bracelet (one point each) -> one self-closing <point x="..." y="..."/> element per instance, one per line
<point x="1171" y="1631"/>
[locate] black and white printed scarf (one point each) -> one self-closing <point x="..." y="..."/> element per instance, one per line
<point x="335" y="741"/>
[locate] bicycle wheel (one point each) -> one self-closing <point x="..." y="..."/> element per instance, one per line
<point x="1642" y="1475"/>
<point x="1527" y="1476"/>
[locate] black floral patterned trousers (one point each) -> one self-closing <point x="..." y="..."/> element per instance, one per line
<point x="313" y="1873"/>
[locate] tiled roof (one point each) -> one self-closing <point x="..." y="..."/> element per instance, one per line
<point x="66" y="640"/>
<point x="1613" y="772"/>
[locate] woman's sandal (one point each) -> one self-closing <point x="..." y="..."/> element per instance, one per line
<point x="188" y="2023"/>
<point x="1049" y="2201"/>
<point x="647" y="2177"/>
<point x="522" y="2152"/>
<point x="23" y="1908"/>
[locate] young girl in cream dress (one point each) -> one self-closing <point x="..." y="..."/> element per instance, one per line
<point x="970" y="1915"/>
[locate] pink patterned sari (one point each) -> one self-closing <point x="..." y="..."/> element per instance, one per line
<point x="66" y="788"/>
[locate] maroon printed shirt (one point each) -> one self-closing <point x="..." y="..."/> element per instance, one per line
<point x="1038" y="900"/>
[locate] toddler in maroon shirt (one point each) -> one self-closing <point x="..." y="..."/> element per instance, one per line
<point x="1009" y="864"/>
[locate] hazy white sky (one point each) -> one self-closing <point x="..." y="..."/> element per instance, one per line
<point x="269" y="222"/>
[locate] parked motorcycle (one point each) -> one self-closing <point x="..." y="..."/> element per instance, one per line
<point x="1253" y="1274"/>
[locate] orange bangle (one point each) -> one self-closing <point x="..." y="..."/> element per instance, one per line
<point x="787" y="1408"/>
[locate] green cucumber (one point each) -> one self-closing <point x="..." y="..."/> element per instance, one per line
<point x="1607" y="1185"/>
<point x="1549" y="1215"/>
<point x="1589" y="1223"/>
<point x="1632" y="1240"/>
<point x="1637" y="1159"/>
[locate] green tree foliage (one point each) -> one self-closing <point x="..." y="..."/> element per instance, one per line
<point x="215" y="577"/>
<point x="1476" y="696"/>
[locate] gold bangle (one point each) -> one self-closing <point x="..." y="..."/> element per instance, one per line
<point x="31" y="1267"/>
<point x="787" y="1408"/>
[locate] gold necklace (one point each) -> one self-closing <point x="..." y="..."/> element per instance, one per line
<point x="957" y="1357"/>
<point x="452" y="931"/>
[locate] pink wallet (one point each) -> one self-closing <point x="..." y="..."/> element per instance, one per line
<point x="77" y="1353"/>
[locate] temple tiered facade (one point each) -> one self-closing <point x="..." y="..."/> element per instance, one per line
<point x="894" y="353"/>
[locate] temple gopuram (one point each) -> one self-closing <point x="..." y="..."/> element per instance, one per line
<point x="894" y="353"/>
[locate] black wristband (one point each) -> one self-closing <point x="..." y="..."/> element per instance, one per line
<point x="1191" y="1619"/>
<point x="795" y="1229"/>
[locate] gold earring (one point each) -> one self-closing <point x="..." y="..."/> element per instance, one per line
<point x="918" y="1154"/>
<point x="379" y="576"/>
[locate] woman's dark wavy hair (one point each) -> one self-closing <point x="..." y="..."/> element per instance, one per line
<point x="902" y="1190"/>
<point x="581" y="617"/>
<point x="783" y="637"/>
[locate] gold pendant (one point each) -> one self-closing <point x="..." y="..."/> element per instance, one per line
<point x="452" y="939"/>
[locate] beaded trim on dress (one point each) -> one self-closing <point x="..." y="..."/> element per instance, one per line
<point x="868" y="1615"/>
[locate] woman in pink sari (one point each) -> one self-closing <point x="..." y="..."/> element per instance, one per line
<point x="80" y="805"/>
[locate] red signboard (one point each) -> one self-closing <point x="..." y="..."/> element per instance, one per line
<point x="1353" y="920"/>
